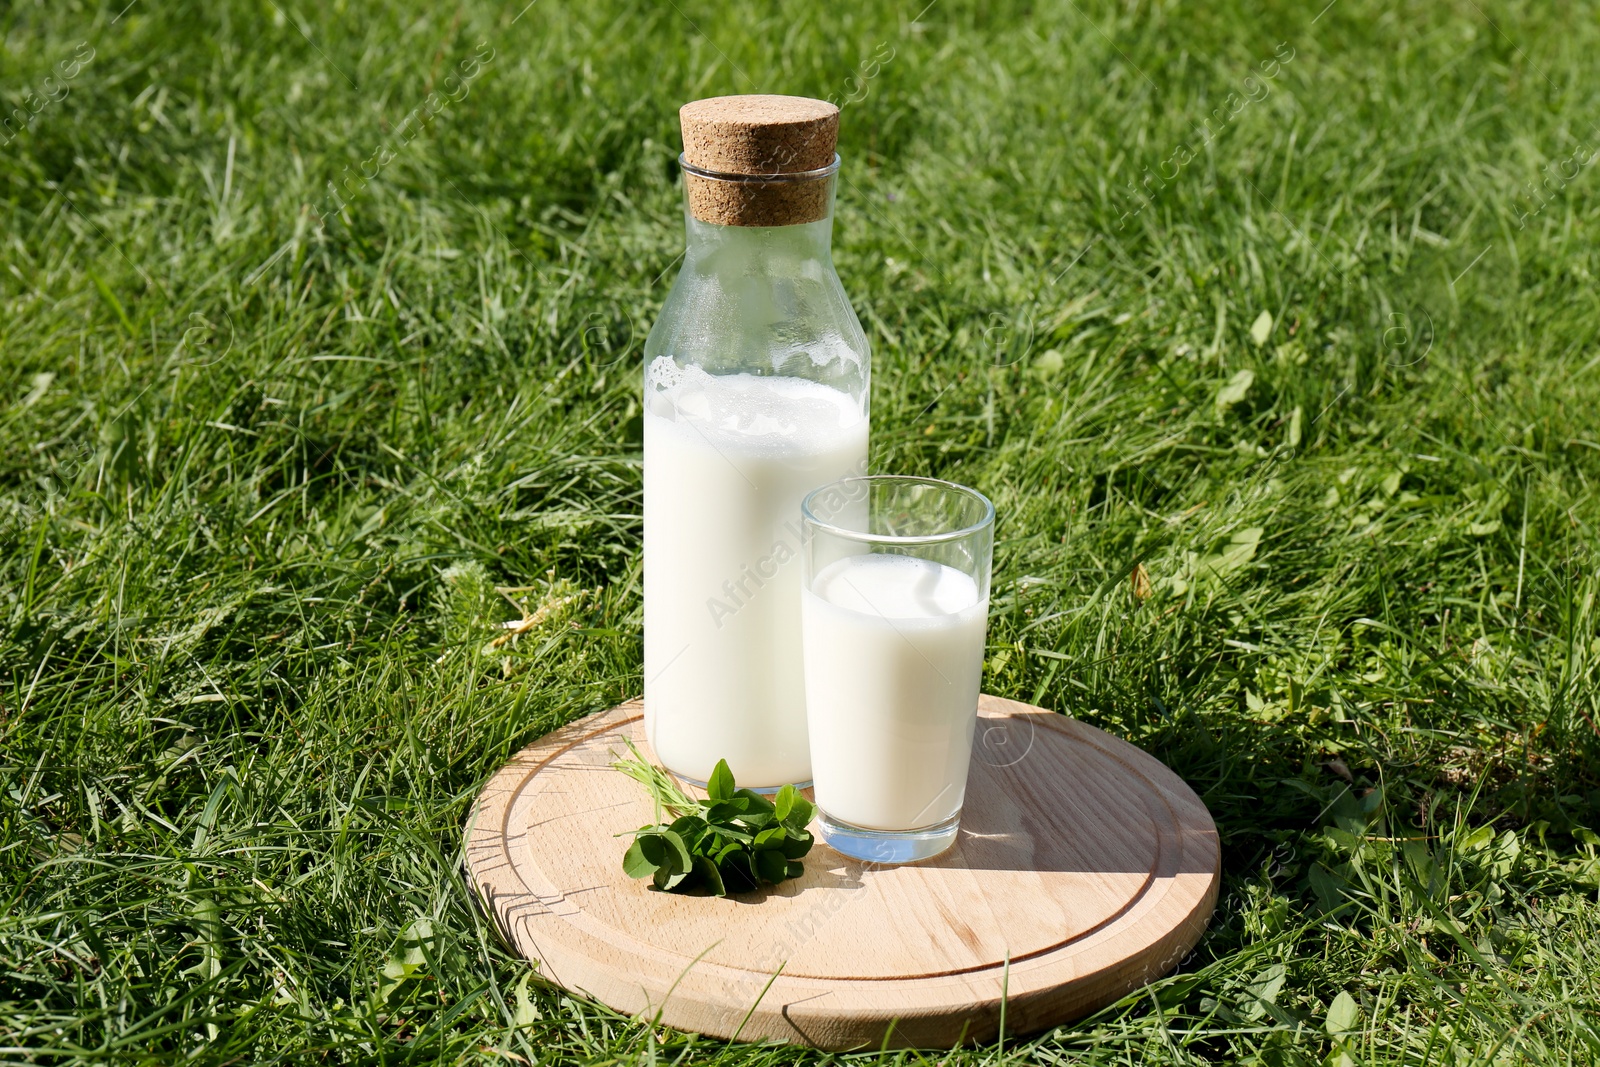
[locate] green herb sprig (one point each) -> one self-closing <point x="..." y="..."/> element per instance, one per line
<point x="732" y="841"/>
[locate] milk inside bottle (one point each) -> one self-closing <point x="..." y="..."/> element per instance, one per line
<point x="755" y="392"/>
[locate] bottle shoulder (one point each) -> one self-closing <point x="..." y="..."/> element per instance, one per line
<point x="743" y="317"/>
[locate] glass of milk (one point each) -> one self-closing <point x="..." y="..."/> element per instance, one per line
<point x="893" y="607"/>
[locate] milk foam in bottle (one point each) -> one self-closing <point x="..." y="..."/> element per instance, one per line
<point x="756" y="383"/>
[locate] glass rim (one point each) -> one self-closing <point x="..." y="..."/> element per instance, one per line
<point x="808" y="516"/>
<point x="760" y="179"/>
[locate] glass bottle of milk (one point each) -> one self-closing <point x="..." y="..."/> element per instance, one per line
<point x="756" y="384"/>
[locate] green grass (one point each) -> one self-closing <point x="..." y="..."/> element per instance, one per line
<point x="1341" y="574"/>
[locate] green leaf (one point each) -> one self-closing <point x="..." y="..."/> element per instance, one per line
<point x="691" y="828"/>
<point x="1343" y="1014"/>
<point x="758" y="820"/>
<point x="796" y="844"/>
<point x="1240" y="549"/>
<point x="655" y="848"/>
<point x="720" y="787"/>
<point x="706" y="868"/>
<point x="409" y="959"/>
<point x="1261" y="329"/>
<point x="635" y="864"/>
<point x="800" y="814"/>
<point x="1420" y="859"/>
<point x="527" y="1012"/>
<point x="772" y="837"/>
<point x="1235" y="390"/>
<point x="678" y="855"/>
<point x="758" y="803"/>
<point x="783" y="803"/>
<point x="674" y="864"/>
<point x="1269" y="982"/>
<point x="1262" y="992"/>
<point x="771" y="866"/>
<point x="722" y="812"/>
<point x="737" y="872"/>
<point x="1329" y="887"/>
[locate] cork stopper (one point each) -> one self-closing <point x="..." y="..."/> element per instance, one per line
<point x="755" y="136"/>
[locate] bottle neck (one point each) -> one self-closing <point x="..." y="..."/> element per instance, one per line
<point x="777" y="221"/>
<point x="761" y="249"/>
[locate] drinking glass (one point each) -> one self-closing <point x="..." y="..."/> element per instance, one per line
<point x="894" y="606"/>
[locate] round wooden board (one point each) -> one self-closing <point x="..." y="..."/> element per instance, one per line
<point x="1085" y="868"/>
